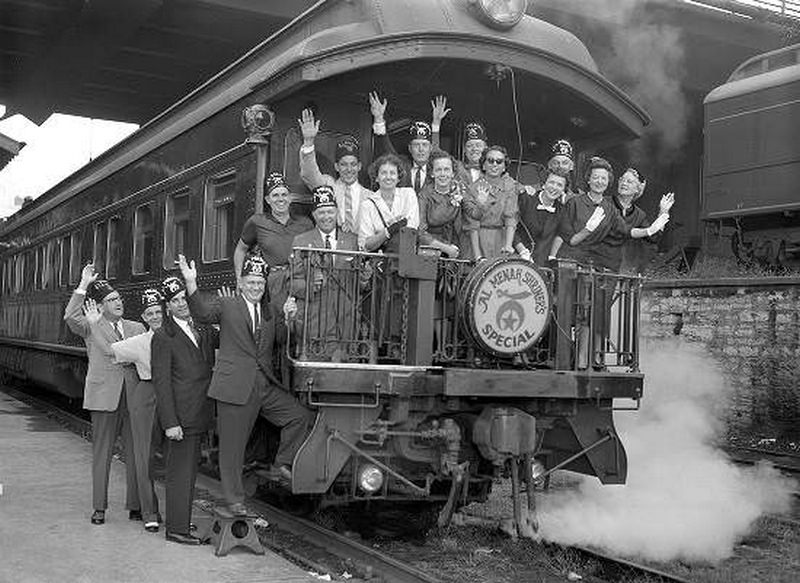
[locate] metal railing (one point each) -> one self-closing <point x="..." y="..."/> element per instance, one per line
<point x="354" y="307"/>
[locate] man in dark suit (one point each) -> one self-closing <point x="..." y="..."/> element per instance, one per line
<point x="182" y="359"/>
<point x="107" y="386"/>
<point x="324" y="284"/>
<point x="243" y="382"/>
<point x="424" y="139"/>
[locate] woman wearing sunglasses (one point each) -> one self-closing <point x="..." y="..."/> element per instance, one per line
<point x="490" y="207"/>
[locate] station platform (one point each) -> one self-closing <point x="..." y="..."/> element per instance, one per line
<point x="46" y="535"/>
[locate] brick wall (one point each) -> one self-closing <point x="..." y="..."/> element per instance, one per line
<point x="753" y="331"/>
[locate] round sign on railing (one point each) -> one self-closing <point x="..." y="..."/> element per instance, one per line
<point x="507" y="305"/>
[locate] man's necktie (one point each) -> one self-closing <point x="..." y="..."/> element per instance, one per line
<point x="328" y="242"/>
<point x="417" y="178"/>
<point x="349" y="221"/>
<point x="256" y="320"/>
<point x="193" y="330"/>
<point x="118" y="330"/>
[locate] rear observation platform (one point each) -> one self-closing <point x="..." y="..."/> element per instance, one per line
<point x="45" y="533"/>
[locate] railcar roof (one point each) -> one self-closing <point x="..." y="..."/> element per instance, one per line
<point x="326" y="27"/>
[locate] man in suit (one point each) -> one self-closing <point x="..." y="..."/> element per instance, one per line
<point x="348" y="191"/>
<point x="108" y="386"/>
<point x="324" y="284"/>
<point x="182" y="359"/>
<point x="243" y="383"/>
<point x="424" y="139"/>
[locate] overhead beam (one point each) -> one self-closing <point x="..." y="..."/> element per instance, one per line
<point x="101" y="26"/>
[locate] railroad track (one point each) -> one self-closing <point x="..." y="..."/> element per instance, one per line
<point x="373" y="564"/>
<point x="611" y="569"/>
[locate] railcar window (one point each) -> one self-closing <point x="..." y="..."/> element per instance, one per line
<point x="218" y="235"/>
<point x="100" y="248"/>
<point x="176" y="227"/>
<point x="112" y="253"/>
<point x="75" y="266"/>
<point x="63" y="276"/>
<point x="143" y="240"/>
<point x="20" y="272"/>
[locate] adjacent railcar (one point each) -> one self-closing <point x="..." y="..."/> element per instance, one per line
<point x="426" y="413"/>
<point x="752" y="160"/>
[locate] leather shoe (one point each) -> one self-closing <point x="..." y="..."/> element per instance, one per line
<point x="99" y="517"/>
<point x="151" y="526"/>
<point x="184" y="539"/>
<point x="135" y="515"/>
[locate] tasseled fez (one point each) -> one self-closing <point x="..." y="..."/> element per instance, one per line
<point x="151" y="297"/>
<point x="420" y="130"/>
<point x="324" y="197"/>
<point x="171" y="287"/>
<point x="100" y="290"/>
<point x="273" y="181"/>
<point x="562" y="148"/>
<point x="346" y="147"/>
<point x="474" y="131"/>
<point x="255" y="265"/>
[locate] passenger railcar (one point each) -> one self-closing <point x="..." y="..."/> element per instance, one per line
<point x="751" y="168"/>
<point x="462" y="391"/>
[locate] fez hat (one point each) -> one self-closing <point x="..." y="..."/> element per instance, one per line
<point x="562" y="148"/>
<point x="474" y="131"/>
<point x="347" y="146"/>
<point x="420" y="130"/>
<point x="324" y="197"/>
<point x="273" y="181"/>
<point x="100" y="290"/>
<point x="171" y="287"/>
<point x="255" y="265"/>
<point x="151" y="297"/>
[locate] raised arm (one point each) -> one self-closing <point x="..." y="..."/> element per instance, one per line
<point x="439" y="110"/>
<point x="204" y="312"/>
<point x="309" y="169"/>
<point x="383" y="145"/>
<point x="73" y="313"/>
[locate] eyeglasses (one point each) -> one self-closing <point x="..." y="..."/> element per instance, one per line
<point x="496" y="160"/>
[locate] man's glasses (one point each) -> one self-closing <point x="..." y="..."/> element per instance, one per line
<point x="496" y="160"/>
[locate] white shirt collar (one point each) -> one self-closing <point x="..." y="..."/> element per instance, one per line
<point x="184" y="325"/>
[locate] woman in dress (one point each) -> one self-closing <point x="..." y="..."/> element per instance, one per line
<point x="490" y="207"/>
<point x="440" y="223"/>
<point x="388" y="209"/>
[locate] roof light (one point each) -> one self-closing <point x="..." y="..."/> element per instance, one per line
<point x="500" y="13"/>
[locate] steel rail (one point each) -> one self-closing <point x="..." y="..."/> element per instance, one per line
<point x="389" y="570"/>
<point x="618" y="569"/>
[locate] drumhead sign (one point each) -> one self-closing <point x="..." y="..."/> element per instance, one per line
<point x="508" y="306"/>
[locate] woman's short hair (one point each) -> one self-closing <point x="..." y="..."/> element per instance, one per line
<point x="596" y="162"/>
<point x="392" y="159"/>
<point x="442" y="155"/>
<point x="494" y="148"/>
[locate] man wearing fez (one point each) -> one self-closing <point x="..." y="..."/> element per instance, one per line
<point x="107" y="387"/>
<point x="141" y="401"/>
<point x="347" y="190"/>
<point x="243" y="383"/>
<point x="424" y="138"/>
<point x="272" y="234"/>
<point x="562" y="162"/>
<point x="182" y="359"/>
<point x="328" y="296"/>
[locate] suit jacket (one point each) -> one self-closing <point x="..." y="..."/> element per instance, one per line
<point x="241" y="354"/>
<point x="383" y="145"/>
<point x="181" y="374"/>
<point x="104" y="377"/>
<point x="313" y="239"/>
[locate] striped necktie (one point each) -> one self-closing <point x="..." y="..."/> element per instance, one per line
<point x="349" y="222"/>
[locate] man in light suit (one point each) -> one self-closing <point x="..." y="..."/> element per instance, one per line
<point x="243" y="383"/>
<point x="349" y="194"/>
<point x="182" y="359"/>
<point x="108" y="385"/>
<point x="325" y="284"/>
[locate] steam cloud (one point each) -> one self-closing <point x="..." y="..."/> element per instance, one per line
<point x="683" y="500"/>
<point x="646" y="59"/>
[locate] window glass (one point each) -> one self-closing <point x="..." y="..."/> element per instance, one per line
<point x="63" y="278"/>
<point x="112" y="252"/>
<point x="143" y="240"/>
<point x="218" y="236"/>
<point x="75" y="266"/>
<point x="176" y="227"/>
<point x="99" y="250"/>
